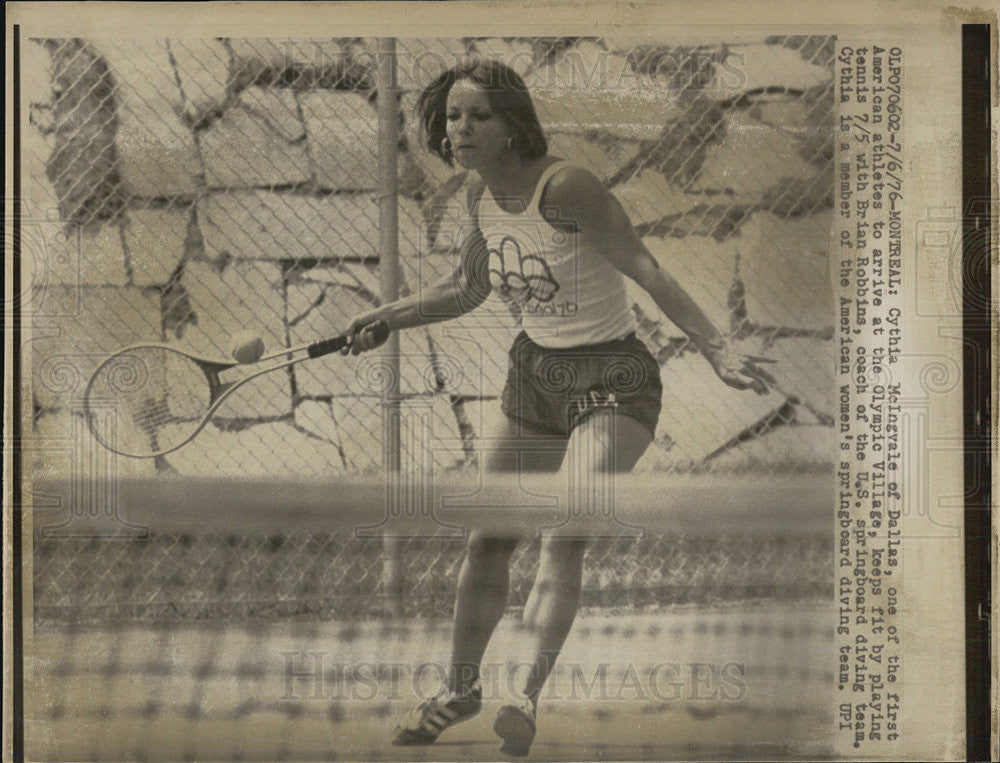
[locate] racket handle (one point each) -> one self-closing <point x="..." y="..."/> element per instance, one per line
<point x="380" y="329"/>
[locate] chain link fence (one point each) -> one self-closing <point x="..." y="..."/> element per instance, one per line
<point x="183" y="190"/>
<point x="176" y="577"/>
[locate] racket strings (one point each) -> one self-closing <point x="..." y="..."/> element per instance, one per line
<point x="158" y="397"/>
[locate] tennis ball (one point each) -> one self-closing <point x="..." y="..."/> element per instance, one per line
<point x="247" y="347"/>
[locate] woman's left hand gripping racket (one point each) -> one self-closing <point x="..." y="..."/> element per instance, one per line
<point x="163" y="397"/>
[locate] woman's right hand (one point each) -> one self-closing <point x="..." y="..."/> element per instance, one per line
<point x="360" y="337"/>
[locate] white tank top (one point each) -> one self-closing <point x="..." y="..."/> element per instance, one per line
<point x="568" y="293"/>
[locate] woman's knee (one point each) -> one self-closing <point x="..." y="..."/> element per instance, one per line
<point x="560" y="557"/>
<point x="484" y="548"/>
<point x="560" y="568"/>
<point x="564" y="548"/>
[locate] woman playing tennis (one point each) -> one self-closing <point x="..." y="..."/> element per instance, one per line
<point x="548" y="236"/>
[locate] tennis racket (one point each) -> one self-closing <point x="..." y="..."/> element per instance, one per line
<point x="163" y="396"/>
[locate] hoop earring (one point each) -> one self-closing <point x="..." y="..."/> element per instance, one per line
<point x="510" y="143"/>
<point x="446" y="147"/>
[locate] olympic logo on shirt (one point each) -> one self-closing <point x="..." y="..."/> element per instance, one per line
<point x="525" y="278"/>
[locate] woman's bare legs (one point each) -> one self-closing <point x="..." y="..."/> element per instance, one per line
<point x="603" y="443"/>
<point x="484" y="579"/>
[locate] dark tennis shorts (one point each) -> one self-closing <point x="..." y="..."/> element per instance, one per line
<point x="555" y="390"/>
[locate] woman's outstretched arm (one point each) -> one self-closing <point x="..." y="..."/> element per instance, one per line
<point x="602" y="223"/>
<point x="456" y="294"/>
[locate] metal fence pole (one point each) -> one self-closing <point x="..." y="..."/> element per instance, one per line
<point x="392" y="569"/>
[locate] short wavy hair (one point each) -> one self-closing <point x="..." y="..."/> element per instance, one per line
<point x="508" y="97"/>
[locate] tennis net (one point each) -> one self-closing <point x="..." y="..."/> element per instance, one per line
<point x="195" y="619"/>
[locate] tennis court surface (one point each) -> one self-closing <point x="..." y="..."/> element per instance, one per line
<point x="169" y="623"/>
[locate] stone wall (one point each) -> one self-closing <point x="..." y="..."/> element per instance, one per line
<point x="181" y="190"/>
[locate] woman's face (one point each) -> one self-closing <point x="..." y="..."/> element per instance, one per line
<point x="478" y="136"/>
